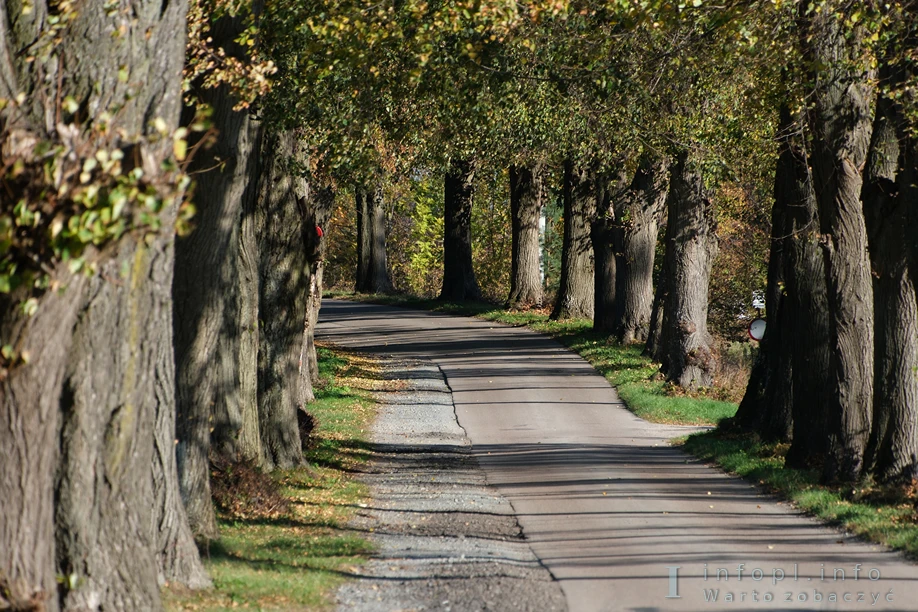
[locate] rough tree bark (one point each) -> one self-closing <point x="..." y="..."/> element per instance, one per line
<point x="324" y="204"/>
<point x="766" y="407"/>
<point x="284" y="283"/>
<point x="635" y="241"/>
<point x="840" y="121"/>
<point x="686" y="344"/>
<point x="459" y="282"/>
<point x="177" y="554"/>
<point x="30" y="421"/>
<point x="249" y="442"/>
<point x="289" y="245"/>
<point x="525" y="210"/>
<point x="605" y="271"/>
<point x="364" y="240"/>
<point x="575" y="292"/>
<point x="79" y="420"/>
<point x="603" y="229"/>
<point x="757" y="402"/>
<point x="778" y="423"/>
<point x="109" y="407"/>
<point x="908" y="191"/>
<point x="892" y="453"/>
<point x="654" y="346"/>
<point x="805" y="289"/>
<point x="207" y="293"/>
<point x="378" y="280"/>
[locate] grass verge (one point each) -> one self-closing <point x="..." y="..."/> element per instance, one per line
<point x="881" y="514"/>
<point x="633" y="374"/>
<point x="294" y="559"/>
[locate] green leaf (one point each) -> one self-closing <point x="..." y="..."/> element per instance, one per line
<point x="70" y="105"/>
<point x="30" y="307"/>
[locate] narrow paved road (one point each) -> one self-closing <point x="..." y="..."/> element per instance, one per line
<point x="621" y="519"/>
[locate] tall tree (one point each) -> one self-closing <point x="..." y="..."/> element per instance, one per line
<point x="635" y="242"/>
<point x="109" y="413"/>
<point x="892" y="453"/>
<point x="364" y="240"/>
<point x="249" y="440"/>
<point x="206" y="294"/>
<point x="288" y="245"/>
<point x="526" y="192"/>
<point x="840" y="121"/>
<point x="177" y="554"/>
<point x="81" y="397"/>
<point x="691" y="245"/>
<point x="207" y="289"/>
<point x="575" y="293"/>
<point x="805" y="297"/>
<point x="323" y="203"/>
<point x="378" y="280"/>
<point x="459" y="281"/>
<point x="766" y="407"/>
<point x="216" y="412"/>
<point x="606" y="298"/>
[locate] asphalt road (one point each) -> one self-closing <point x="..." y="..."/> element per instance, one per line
<point x="622" y="520"/>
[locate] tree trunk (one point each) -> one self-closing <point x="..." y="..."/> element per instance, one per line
<point x="605" y="282"/>
<point x="575" y="292"/>
<point x="778" y="422"/>
<point x="177" y="554"/>
<point x="207" y="308"/>
<point x="603" y="226"/>
<point x="315" y="304"/>
<point x="78" y="422"/>
<point x="525" y="211"/>
<point x="686" y="343"/>
<point x="364" y="240"/>
<point x="378" y="280"/>
<point x="249" y="442"/>
<point x="908" y="191"/>
<point x="30" y="422"/>
<point x="324" y="199"/>
<point x="654" y="346"/>
<point x="284" y="283"/>
<point x="289" y="245"/>
<point x="841" y="126"/>
<point x="808" y="334"/>
<point x="766" y="407"/>
<point x="459" y="282"/>
<point x="892" y="453"/>
<point x="635" y="244"/>
<point x="777" y="409"/>
<point x="105" y="488"/>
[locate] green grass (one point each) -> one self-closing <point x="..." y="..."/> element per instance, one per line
<point x="633" y="374"/>
<point x="295" y="560"/>
<point x="884" y="515"/>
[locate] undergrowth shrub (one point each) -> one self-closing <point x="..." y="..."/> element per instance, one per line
<point x="242" y="491"/>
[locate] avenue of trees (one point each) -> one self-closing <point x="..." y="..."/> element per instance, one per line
<point x="170" y="171"/>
